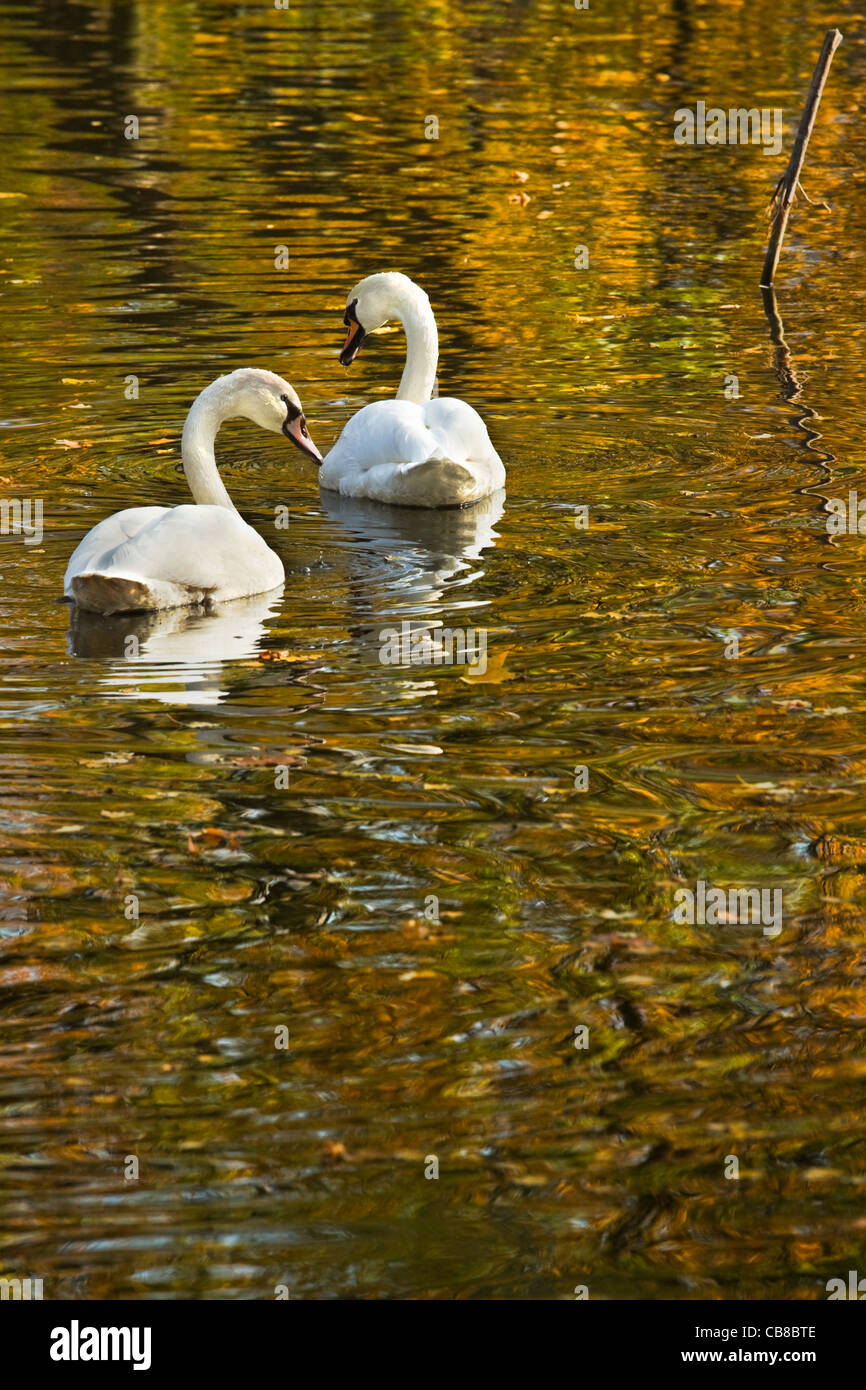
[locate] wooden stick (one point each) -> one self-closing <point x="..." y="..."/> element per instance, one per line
<point x="787" y="186"/>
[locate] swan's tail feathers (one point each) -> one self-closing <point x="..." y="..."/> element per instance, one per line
<point x="439" y="482"/>
<point x="119" y="593"/>
<point x="111" y="593"/>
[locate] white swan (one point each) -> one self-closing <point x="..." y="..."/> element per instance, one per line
<point x="412" y="451"/>
<point x="170" y="557"/>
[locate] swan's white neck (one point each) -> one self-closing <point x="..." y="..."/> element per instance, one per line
<point x="422" y="346"/>
<point x="207" y="413"/>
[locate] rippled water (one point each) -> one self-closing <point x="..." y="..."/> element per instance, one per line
<point x="262" y="905"/>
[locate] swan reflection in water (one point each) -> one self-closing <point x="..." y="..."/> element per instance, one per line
<point x="407" y="568"/>
<point x="175" y="655"/>
<point x="390" y="562"/>
<point x="411" y="553"/>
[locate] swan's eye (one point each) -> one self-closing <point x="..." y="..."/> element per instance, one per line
<point x="292" y="411"/>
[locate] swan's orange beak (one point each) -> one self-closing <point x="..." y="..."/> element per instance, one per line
<point x="296" y="431"/>
<point x="352" y="345"/>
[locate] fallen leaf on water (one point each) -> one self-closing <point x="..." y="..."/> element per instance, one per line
<point x="107" y="760"/>
<point x="495" y="673"/>
<point x="214" y="836"/>
<point x="412" y="747"/>
<point x="285" y="655"/>
<point x="414" y="927"/>
<point x="837" y="848"/>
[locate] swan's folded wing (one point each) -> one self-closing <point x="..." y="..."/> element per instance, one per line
<point x="459" y="431"/>
<point x="386" y="432"/>
<point x="200" y="547"/>
<point x="107" y="536"/>
<point x="433" y="455"/>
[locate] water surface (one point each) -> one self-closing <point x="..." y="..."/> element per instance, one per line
<point x="282" y="806"/>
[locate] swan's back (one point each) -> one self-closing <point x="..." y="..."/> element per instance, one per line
<point x="164" y="557"/>
<point x="433" y="455"/>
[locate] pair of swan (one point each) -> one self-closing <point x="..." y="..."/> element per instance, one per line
<point x="412" y="451"/>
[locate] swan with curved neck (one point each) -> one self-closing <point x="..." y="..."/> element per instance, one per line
<point x="413" y="451"/>
<point x="170" y="557"/>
